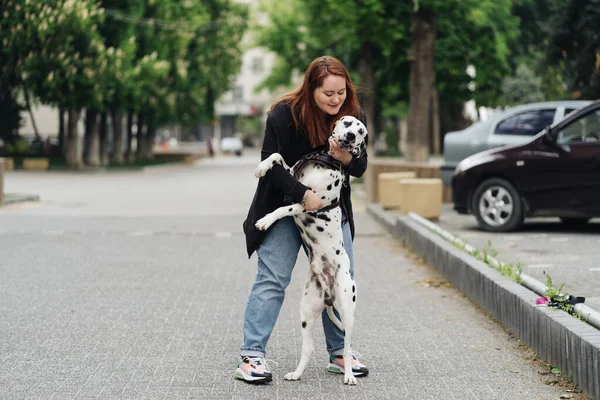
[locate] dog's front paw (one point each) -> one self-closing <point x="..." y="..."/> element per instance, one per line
<point x="350" y="379"/>
<point x="261" y="170"/>
<point x="292" y="376"/>
<point x="264" y="223"/>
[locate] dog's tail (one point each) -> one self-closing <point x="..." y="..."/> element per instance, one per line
<point x="334" y="318"/>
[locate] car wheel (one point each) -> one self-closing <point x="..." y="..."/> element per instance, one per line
<point x="497" y="206"/>
<point x="574" y="222"/>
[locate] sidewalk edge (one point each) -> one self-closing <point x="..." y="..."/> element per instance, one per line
<point x="558" y="338"/>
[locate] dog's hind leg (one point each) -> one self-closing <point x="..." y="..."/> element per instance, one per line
<point x="345" y="304"/>
<point x="310" y="309"/>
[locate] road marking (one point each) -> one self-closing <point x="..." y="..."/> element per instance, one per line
<point x="223" y="234"/>
<point x="595" y="269"/>
<point x="54" y="233"/>
<point x="509" y="238"/>
<point x="140" y="233"/>
<point x="560" y="239"/>
<point x="540" y="266"/>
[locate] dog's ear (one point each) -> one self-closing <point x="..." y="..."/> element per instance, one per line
<point x="360" y="149"/>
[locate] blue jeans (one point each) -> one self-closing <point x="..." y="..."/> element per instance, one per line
<point x="277" y="256"/>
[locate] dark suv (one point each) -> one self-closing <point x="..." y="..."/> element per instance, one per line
<point x="557" y="174"/>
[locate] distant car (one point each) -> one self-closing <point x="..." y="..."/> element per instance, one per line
<point x="513" y="126"/>
<point x="232" y="145"/>
<point x="557" y="173"/>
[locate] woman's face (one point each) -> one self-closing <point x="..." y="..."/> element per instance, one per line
<point x="331" y="95"/>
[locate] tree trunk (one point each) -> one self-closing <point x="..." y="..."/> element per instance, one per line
<point x="72" y="155"/>
<point x="118" y="145"/>
<point x="367" y="82"/>
<point x="103" y="137"/>
<point x="92" y="139"/>
<point x="436" y="147"/>
<point x="139" y="137"/>
<point x="421" y="82"/>
<point x="61" y="131"/>
<point x="35" y="128"/>
<point x="129" y="151"/>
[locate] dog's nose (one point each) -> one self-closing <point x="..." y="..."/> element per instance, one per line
<point x="350" y="136"/>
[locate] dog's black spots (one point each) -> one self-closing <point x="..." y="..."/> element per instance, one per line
<point x="307" y="285"/>
<point x="304" y="324"/>
<point x="354" y="299"/>
<point x="273" y="163"/>
<point x="361" y="131"/>
<point x="306" y="293"/>
<point x="324" y="258"/>
<point x="308" y="221"/>
<point x="328" y="187"/>
<point x="320" y="228"/>
<point x="322" y="197"/>
<point x="312" y="238"/>
<point x="334" y="200"/>
<point x="324" y="217"/>
<point x="337" y="182"/>
<point x="290" y="209"/>
<point x="328" y="300"/>
<point x="347" y="124"/>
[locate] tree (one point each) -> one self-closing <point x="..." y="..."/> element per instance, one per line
<point x="59" y="56"/>
<point x="573" y="44"/>
<point x="523" y="87"/>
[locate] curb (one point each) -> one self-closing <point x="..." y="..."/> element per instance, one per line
<point x="558" y="338"/>
<point x="11" y="198"/>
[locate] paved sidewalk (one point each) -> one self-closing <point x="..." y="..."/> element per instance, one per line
<point x="109" y="299"/>
<point x="151" y="327"/>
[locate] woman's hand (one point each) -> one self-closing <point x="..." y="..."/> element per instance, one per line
<point x="313" y="202"/>
<point x="336" y="152"/>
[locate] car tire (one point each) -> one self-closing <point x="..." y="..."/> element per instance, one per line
<point x="574" y="222"/>
<point x="497" y="206"/>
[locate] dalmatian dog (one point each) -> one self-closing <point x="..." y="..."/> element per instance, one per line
<point x="329" y="283"/>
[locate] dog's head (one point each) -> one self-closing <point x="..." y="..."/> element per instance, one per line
<point x="351" y="135"/>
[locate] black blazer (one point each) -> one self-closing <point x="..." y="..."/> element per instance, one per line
<point x="282" y="137"/>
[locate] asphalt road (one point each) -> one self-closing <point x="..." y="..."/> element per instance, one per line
<point x="542" y="245"/>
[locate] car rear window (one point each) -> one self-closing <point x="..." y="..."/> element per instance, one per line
<point x="527" y="123"/>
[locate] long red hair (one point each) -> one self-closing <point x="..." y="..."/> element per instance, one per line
<point x="306" y="114"/>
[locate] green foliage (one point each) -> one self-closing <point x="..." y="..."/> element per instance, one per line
<point x="573" y="32"/>
<point x="57" y="51"/>
<point x="523" y="87"/>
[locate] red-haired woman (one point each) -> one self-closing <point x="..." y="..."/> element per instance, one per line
<point x="297" y="124"/>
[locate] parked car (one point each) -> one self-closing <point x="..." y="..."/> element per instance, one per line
<point x="232" y="145"/>
<point x="513" y="126"/>
<point x="557" y="173"/>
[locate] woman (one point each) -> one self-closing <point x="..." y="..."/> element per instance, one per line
<point x="297" y="124"/>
